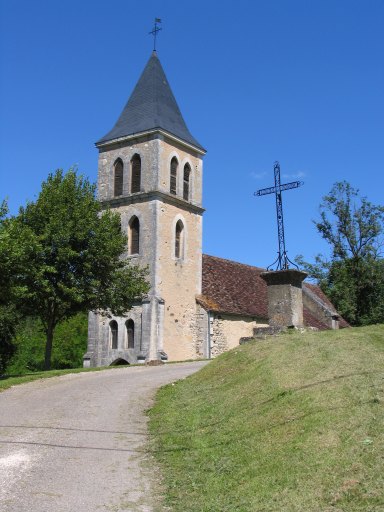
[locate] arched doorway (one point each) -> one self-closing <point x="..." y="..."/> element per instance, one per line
<point x="119" y="362"/>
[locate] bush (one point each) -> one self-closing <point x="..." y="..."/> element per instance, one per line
<point x="69" y="345"/>
<point x="7" y="332"/>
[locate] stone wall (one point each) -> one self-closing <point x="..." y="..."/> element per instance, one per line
<point x="169" y="150"/>
<point x="217" y="333"/>
<point x="201" y="334"/>
<point x="228" y="329"/>
<point x="100" y="351"/>
<point x="179" y="279"/>
<point x="146" y="147"/>
<point x="285" y="301"/>
<point x="167" y="315"/>
<point x="156" y="153"/>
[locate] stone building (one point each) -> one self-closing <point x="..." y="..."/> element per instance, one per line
<point x="150" y="171"/>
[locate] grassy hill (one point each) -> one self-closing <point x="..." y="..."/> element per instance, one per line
<point x="294" y="423"/>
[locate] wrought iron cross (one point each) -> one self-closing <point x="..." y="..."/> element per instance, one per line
<point x="282" y="258"/>
<point x="154" y="32"/>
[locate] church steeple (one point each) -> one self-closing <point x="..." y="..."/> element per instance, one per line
<point x="151" y="107"/>
<point x="151" y="174"/>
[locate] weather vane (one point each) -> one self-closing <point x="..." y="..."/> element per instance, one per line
<point x="154" y="32"/>
<point x="282" y="258"/>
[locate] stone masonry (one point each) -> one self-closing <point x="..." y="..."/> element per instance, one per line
<point x="285" y="298"/>
<point x="164" y="322"/>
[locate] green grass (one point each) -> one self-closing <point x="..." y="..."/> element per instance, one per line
<point x="293" y="423"/>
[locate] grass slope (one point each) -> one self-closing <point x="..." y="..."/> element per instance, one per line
<point x="293" y="423"/>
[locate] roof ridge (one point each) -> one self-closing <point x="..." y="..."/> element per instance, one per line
<point x="234" y="262"/>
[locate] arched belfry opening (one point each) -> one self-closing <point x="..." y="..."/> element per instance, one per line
<point x="118" y="177"/>
<point x="186" y="180"/>
<point x="173" y="176"/>
<point x="136" y="173"/>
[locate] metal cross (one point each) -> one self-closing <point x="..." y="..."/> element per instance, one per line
<point x="154" y="32"/>
<point x="282" y="258"/>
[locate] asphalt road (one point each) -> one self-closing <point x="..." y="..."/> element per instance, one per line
<point x="77" y="443"/>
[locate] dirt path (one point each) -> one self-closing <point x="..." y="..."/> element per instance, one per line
<point x="77" y="443"/>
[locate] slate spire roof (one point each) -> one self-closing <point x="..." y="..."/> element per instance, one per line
<point x="152" y="105"/>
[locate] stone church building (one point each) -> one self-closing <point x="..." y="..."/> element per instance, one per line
<point x="150" y="171"/>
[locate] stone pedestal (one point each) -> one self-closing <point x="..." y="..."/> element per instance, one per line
<point x="285" y="299"/>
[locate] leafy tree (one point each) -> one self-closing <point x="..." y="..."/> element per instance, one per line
<point x="69" y="345"/>
<point x="351" y="224"/>
<point x="8" y="324"/>
<point x="67" y="256"/>
<point x="8" y="316"/>
<point x="354" y="276"/>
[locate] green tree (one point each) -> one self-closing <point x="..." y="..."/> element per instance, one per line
<point x="8" y="316"/>
<point x="67" y="256"/>
<point x="8" y="323"/>
<point x="353" y="278"/>
<point x="69" y="345"/>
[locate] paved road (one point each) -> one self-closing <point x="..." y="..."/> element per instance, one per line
<point x="77" y="443"/>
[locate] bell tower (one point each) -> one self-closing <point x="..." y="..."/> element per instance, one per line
<point x="150" y="172"/>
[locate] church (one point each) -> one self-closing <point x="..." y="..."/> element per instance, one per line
<point x="150" y="171"/>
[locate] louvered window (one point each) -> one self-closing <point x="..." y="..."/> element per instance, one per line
<point x="173" y="181"/>
<point x="136" y="173"/>
<point x="179" y="240"/>
<point x="187" y="173"/>
<point x="118" y="178"/>
<point x="134" y="236"/>
<point x="114" y="333"/>
<point x="130" y="333"/>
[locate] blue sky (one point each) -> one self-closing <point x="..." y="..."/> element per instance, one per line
<point x="257" y="81"/>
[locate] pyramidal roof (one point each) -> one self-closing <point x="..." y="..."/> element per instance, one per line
<point x="152" y="105"/>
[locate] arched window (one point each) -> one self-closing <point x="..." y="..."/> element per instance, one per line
<point x="134" y="236"/>
<point x="130" y="325"/>
<point x="118" y="178"/>
<point x="136" y="173"/>
<point x="179" y="240"/>
<point x="187" y="173"/>
<point x="113" y="333"/>
<point x="173" y="181"/>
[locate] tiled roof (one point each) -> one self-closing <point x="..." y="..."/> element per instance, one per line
<point x="318" y="292"/>
<point x="152" y="105"/>
<point x="230" y="287"/>
<point x="310" y="320"/>
<point x="234" y="288"/>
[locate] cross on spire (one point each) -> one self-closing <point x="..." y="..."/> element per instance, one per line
<point x="282" y="258"/>
<point x="154" y="32"/>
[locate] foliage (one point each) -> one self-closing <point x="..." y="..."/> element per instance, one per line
<point x="353" y="278"/>
<point x="69" y="345"/>
<point x="66" y="256"/>
<point x="7" y="332"/>
<point x="8" y="317"/>
<point x="259" y="419"/>
<point x="350" y="224"/>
